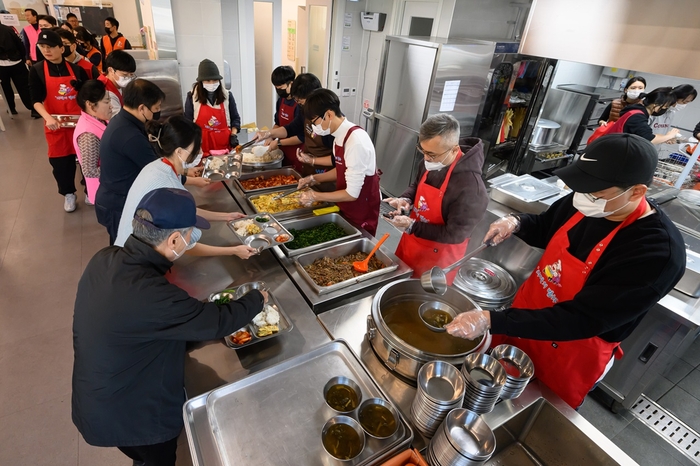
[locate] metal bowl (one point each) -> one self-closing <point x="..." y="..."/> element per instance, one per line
<point x="258" y="241"/>
<point x="435" y="305"/>
<point x="248" y="287"/>
<point x="518" y="357"/>
<point x="441" y="382"/>
<point x="469" y="434"/>
<point x="341" y="380"/>
<point x="484" y="370"/>
<point x="378" y="401"/>
<point x="214" y="296"/>
<point x="347" y="421"/>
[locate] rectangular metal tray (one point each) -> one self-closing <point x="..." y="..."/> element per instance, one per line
<point x="358" y="245"/>
<point x="305" y="223"/>
<point x="274" y="417"/>
<point x="527" y="188"/>
<point x="285" y="325"/>
<point x="266" y="238"/>
<point x="287" y="213"/>
<point x="230" y="169"/>
<point x="286" y="171"/>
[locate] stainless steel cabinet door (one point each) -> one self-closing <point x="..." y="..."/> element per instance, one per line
<point x="397" y="156"/>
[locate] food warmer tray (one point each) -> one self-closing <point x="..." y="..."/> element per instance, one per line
<point x="285" y="325"/>
<point x="358" y="245"/>
<point x="271" y="234"/>
<point x="254" y="166"/>
<point x="527" y="188"/>
<point x="275" y="416"/>
<point x="286" y="171"/>
<point x="231" y="168"/>
<point x="305" y="223"/>
<point x="287" y="214"/>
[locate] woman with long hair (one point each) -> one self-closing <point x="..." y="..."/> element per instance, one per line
<point x="631" y="95"/>
<point x="88" y="43"/>
<point x="653" y="104"/>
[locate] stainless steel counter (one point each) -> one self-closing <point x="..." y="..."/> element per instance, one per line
<point x="349" y="322"/>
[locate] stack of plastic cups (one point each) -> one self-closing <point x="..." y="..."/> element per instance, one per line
<point x="463" y="439"/>
<point x="440" y="390"/>
<point x="485" y="378"/>
<point x="518" y="368"/>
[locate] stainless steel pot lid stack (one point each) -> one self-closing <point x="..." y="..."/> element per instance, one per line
<point x="440" y="390"/>
<point x="518" y="368"/>
<point x="490" y="285"/>
<point x="485" y="379"/>
<point x="463" y="439"/>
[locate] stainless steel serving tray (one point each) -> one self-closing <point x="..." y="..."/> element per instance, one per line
<point x="358" y="245"/>
<point x="231" y="167"/>
<point x="285" y="325"/>
<point x="277" y="163"/>
<point x="286" y="171"/>
<point x="287" y="213"/>
<point x="267" y="238"/>
<point x="527" y="188"/>
<point x="306" y="223"/>
<point x="66" y="121"/>
<point x="274" y="417"/>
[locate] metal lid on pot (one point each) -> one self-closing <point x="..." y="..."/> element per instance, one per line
<point x="486" y="282"/>
<point x="542" y="123"/>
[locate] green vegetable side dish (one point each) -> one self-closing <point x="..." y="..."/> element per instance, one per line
<point x="315" y="235"/>
<point x="262" y="219"/>
<point x="225" y="299"/>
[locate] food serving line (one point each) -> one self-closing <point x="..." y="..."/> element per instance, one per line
<point x="221" y="419"/>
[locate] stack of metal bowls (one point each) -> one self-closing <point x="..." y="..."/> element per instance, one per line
<point x="440" y="390"/>
<point x="485" y="379"/>
<point x="518" y="368"/>
<point x="463" y="439"/>
<point x="489" y="285"/>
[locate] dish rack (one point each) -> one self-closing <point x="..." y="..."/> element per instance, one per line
<point x="679" y="170"/>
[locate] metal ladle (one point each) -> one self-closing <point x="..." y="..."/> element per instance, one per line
<point x="435" y="279"/>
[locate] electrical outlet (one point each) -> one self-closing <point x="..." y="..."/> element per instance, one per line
<point x="353" y="91"/>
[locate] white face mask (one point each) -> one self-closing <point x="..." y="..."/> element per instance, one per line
<point x="178" y="255"/>
<point x="595" y="208"/>
<point x="634" y="93"/>
<point x="211" y="87"/>
<point x="318" y="129"/>
<point x="193" y="163"/>
<point x="678" y="107"/>
<point x="122" y="81"/>
<point x="432" y="166"/>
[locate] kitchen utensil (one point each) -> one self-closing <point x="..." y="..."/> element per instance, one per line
<point x="351" y="384"/>
<point x="485" y="378"/>
<point x="514" y="360"/>
<point x="544" y="132"/>
<point x="271" y="233"/>
<point x="440" y="390"/>
<point x="239" y="148"/>
<point x="364" y="413"/>
<point x="435" y="279"/>
<point x="432" y="306"/>
<point x="488" y="284"/>
<point x="348" y="454"/>
<point x="363" y="266"/>
<point x="277" y="198"/>
<point x="463" y="439"/>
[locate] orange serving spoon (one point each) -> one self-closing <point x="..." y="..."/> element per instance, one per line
<point x="363" y="266"/>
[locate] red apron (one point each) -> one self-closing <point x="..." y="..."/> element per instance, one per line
<point x="285" y="115"/>
<point x="216" y="134"/>
<point x="60" y="100"/>
<point x="569" y="368"/>
<point x="364" y="211"/>
<point x="87" y="65"/>
<point x="422" y="254"/>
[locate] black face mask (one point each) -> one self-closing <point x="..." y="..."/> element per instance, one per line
<point x="66" y="52"/>
<point x="108" y="30"/>
<point x="156" y="115"/>
<point x="659" y="112"/>
<point x="282" y="93"/>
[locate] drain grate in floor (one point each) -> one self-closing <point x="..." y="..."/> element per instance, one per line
<point x="674" y="431"/>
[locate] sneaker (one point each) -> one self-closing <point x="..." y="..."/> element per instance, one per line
<point x="87" y="201"/>
<point x="69" y="203"/>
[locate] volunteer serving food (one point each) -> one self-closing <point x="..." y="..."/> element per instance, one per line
<point x="440" y="209"/>
<point x="609" y="256"/>
<point x="355" y="171"/>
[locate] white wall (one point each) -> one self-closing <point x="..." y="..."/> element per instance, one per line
<point x="198" y="35"/>
<point x="569" y="72"/>
<point x="232" y="47"/>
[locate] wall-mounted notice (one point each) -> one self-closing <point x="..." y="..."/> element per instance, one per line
<point x="449" y="96"/>
<point x="291" y="40"/>
<point x="347" y="21"/>
<point x="10" y="20"/>
<point x="346" y="43"/>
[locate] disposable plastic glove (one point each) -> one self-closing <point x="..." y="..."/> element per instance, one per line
<point x="307" y="198"/>
<point x="401" y="204"/>
<point x="469" y="325"/>
<point x="401" y="222"/>
<point x="502" y="229"/>
<point x="306" y="181"/>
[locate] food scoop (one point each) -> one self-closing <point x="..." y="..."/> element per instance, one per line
<point x="435" y="279"/>
<point x="435" y="315"/>
<point x="363" y="266"/>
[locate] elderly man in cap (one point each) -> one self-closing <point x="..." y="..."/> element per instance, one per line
<point x="130" y="327"/>
<point x="609" y="256"/>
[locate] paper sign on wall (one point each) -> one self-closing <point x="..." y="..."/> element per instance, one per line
<point x="347" y="21"/>
<point x="346" y="43"/>
<point x="291" y="40"/>
<point x="449" y="96"/>
<point x="10" y="20"/>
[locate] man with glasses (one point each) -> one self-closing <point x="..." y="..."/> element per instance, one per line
<point x="119" y="70"/>
<point x="355" y="171"/>
<point x="440" y="209"/>
<point x="609" y="256"/>
<point x="125" y="150"/>
<point x="71" y="55"/>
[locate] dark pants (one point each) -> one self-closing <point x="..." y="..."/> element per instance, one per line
<point x="160" y="454"/>
<point x="64" y="173"/>
<point x="108" y="218"/>
<point x="19" y="75"/>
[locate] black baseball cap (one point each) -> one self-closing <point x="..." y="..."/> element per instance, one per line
<point x="613" y="160"/>
<point x="48" y="37"/>
<point x="172" y="209"/>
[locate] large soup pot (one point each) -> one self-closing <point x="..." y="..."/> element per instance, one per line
<point x="403" y="342"/>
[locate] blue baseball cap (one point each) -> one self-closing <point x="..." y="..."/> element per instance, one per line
<point x="171" y="209"/>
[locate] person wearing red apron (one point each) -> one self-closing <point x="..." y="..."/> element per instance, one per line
<point x="58" y="98"/>
<point x="355" y="173"/>
<point x="569" y="327"/>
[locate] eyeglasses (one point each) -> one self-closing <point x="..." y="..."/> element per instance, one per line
<point x="430" y="155"/>
<point x="593" y="198"/>
<point x="313" y="120"/>
<point x="125" y="74"/>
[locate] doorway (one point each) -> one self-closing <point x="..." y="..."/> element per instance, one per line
<point x="264" y="56"/>
<point x="420" y="18"/>
<point x="318" y="37"/>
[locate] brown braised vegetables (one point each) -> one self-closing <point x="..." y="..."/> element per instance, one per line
<point x="326" y="271"/>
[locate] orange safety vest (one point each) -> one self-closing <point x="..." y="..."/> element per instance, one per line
<point x="92" y="52"/>
<point x="118" y="45"/>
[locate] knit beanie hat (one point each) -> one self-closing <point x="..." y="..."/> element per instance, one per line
<point x="208" y="71"/>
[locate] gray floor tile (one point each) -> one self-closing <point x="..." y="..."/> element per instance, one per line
<point x="645" y="446"/>
<point x="658" y="388"/>
<point x="679" y="370"/>
<point x="609" y="423"/>
<point x="683" y="405"/>
<point x="692" y="356"/>
<point x="691" y="383"/>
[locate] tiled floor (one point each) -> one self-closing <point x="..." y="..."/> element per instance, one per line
<point x="43" y="251"/>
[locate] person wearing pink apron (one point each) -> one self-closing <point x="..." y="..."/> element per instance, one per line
<point x="585" y="297"/>
<point x="355" y="173"/>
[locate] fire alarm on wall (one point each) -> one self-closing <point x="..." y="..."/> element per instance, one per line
<point x="373" y="21"/>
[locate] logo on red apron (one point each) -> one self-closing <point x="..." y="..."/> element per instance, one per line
<point x="213" y="122"/>
<point x="553" y="273"/>
<point x="63" y="90"/>
<point x="550" y="274"/>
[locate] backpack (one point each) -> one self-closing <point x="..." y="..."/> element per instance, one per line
<point x="616" y="127"/>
